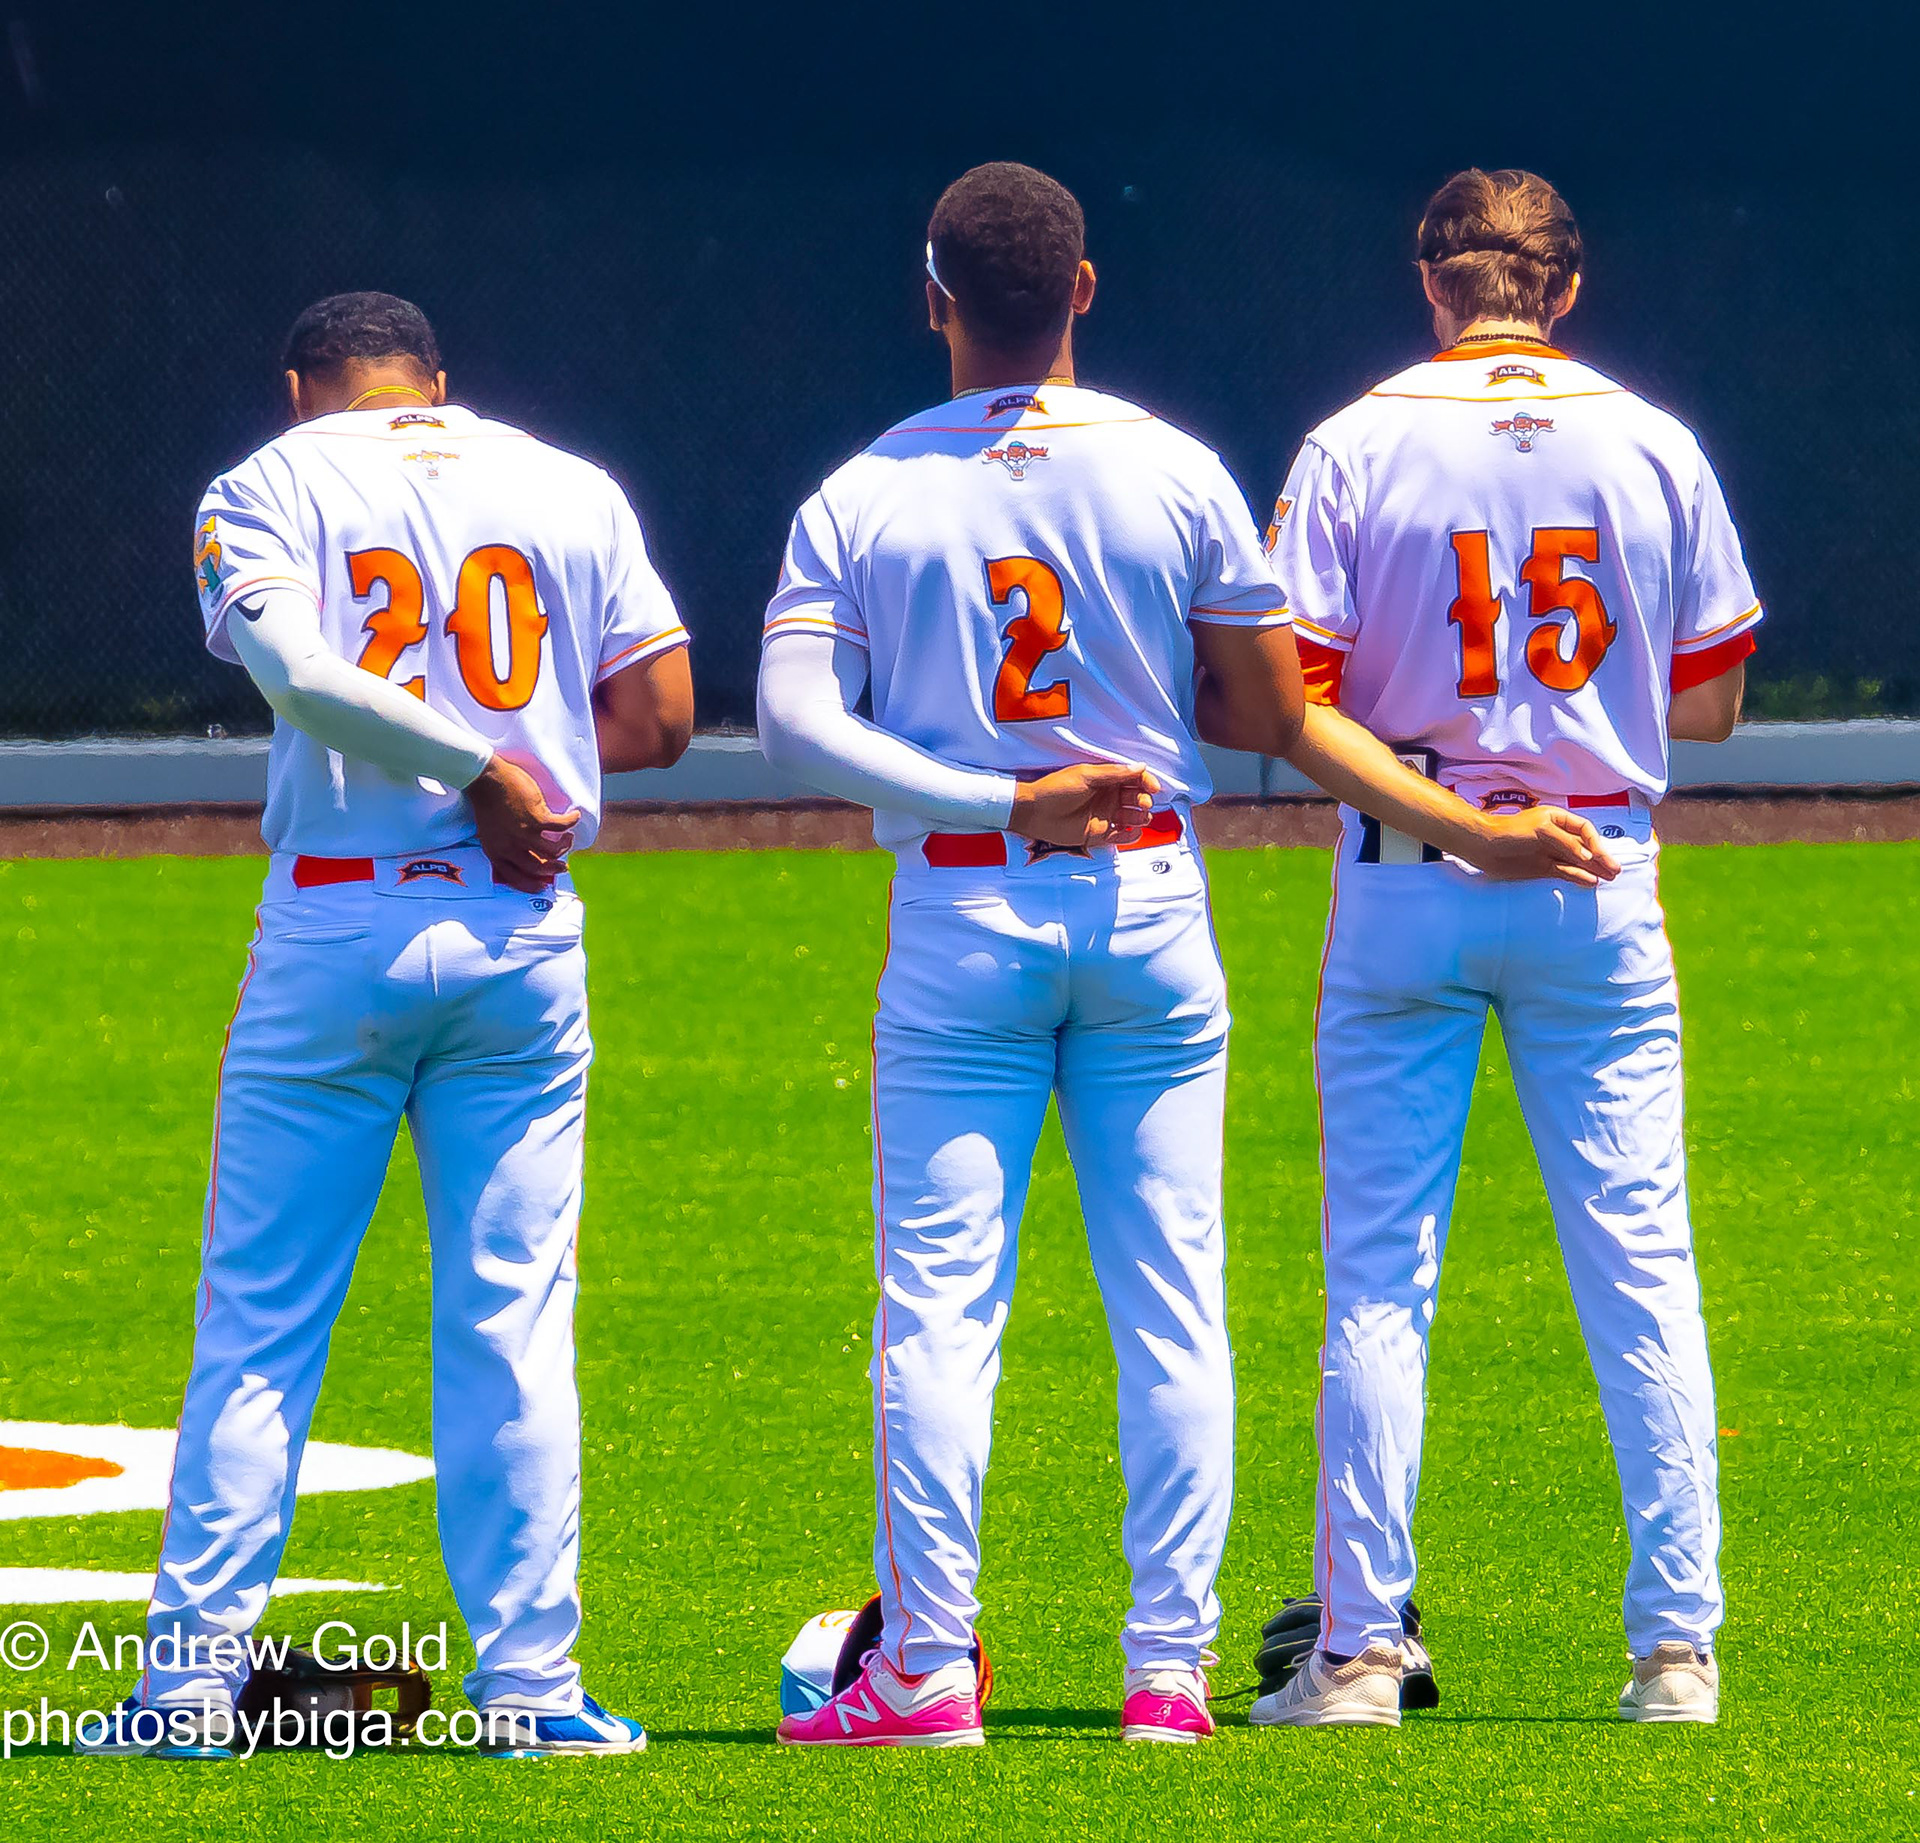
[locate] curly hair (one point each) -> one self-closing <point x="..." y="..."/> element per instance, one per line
<point x="1500" y="243"/>
<point x="1007" y="242"/>
<point x="344" y="327"/>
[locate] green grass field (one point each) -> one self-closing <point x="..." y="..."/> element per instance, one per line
<point x="726" y="1296"/>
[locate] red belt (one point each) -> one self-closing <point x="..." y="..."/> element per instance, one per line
<point x="317" y="873"/>
<point x="988" y="850"/>
<point x="1517" y="799"/>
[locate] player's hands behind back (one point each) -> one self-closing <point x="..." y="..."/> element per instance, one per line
<point x="1091" y="803"/>
<point x="1543" y="841"/>
<point x="524" y="839"/>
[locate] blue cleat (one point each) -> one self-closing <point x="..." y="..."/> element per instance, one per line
<point x="513" y="1733"/>
<point x="135" y="1731"/>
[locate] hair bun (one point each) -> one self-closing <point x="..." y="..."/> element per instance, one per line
<point x="1499" y="243"/>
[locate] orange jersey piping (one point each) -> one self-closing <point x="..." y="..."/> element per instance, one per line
<point x="1713" y="633"/>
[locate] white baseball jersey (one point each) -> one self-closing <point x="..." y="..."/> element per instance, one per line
<point x="1022" y="567"/>
<point x="1516" y="561"/>
<point x="496" y="577"/>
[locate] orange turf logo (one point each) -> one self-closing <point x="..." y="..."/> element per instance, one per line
<point x="32" y="1468"/>
<point x="67" y="1471"/>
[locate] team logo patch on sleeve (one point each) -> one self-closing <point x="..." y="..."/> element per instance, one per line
<point x="437" y="868"/>
<point x="1525" y="429"/>
<point x="1016" y="457"/>
<point x="1281" y="507"/>
<point x="206" y="560"/>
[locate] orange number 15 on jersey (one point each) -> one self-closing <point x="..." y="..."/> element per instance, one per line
<point x="1552" y="596"/>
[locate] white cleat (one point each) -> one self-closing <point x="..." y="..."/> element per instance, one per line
<point x="1677" y="1683"/>
<point x="1364" y="1692"/>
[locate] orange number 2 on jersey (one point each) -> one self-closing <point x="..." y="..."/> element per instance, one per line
<point x="402" y="622"/>
<point x="1030" y="638"/>
<point x="397" y="626"/>
<point x="1551" y="593"/>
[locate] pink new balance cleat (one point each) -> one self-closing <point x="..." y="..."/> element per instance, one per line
<point x="1165" y="1705"/>
<point x="881" y="1708"/>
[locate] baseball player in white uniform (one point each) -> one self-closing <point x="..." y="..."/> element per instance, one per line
<point x="458" y="627"/>
<point x="1511" y="567"/>
<point x="1050" y="596"/>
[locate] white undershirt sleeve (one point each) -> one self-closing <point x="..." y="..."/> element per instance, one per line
<point x="276" y="633"/>
<point x="809" y="685"/>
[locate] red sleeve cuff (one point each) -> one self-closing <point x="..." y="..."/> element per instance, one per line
<point x="1690" y="669"/>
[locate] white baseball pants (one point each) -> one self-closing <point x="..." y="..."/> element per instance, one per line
<point x="1582" y="983"/>
<point x="1095" y="980"/>
<point x="462" y="1007"/>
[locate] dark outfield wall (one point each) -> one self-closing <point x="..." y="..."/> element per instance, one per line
<point x="720" y="342"/>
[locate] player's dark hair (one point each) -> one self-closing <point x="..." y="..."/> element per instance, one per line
<point x="1500" y="244"/>
<point x="1007" y="242"/>
<point x="345" y="327"/>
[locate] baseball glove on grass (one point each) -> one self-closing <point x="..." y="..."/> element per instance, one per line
<point x="298" y="1700"/>
<point x="1288" y="1639"/>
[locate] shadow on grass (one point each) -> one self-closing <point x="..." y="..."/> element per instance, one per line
<point x="725" y="1737"/>
<point x="1002" y="1724"/>
<point x="1084" y="1721"/>
<point x="1496" y="1719"/>
<point x="1237" y="1718"/>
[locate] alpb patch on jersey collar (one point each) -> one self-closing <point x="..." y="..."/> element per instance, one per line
<point x="1016" y="457"/>
<point x="1524" y="428"/>
<point x="1516" y="374"/>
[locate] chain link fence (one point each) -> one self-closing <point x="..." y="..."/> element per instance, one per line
<point x="720" y="340"/>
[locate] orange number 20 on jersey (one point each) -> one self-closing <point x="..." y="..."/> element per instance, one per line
<point x="401" y="624"/>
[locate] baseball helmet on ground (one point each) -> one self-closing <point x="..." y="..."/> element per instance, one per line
<point x="826" y="1656"/>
